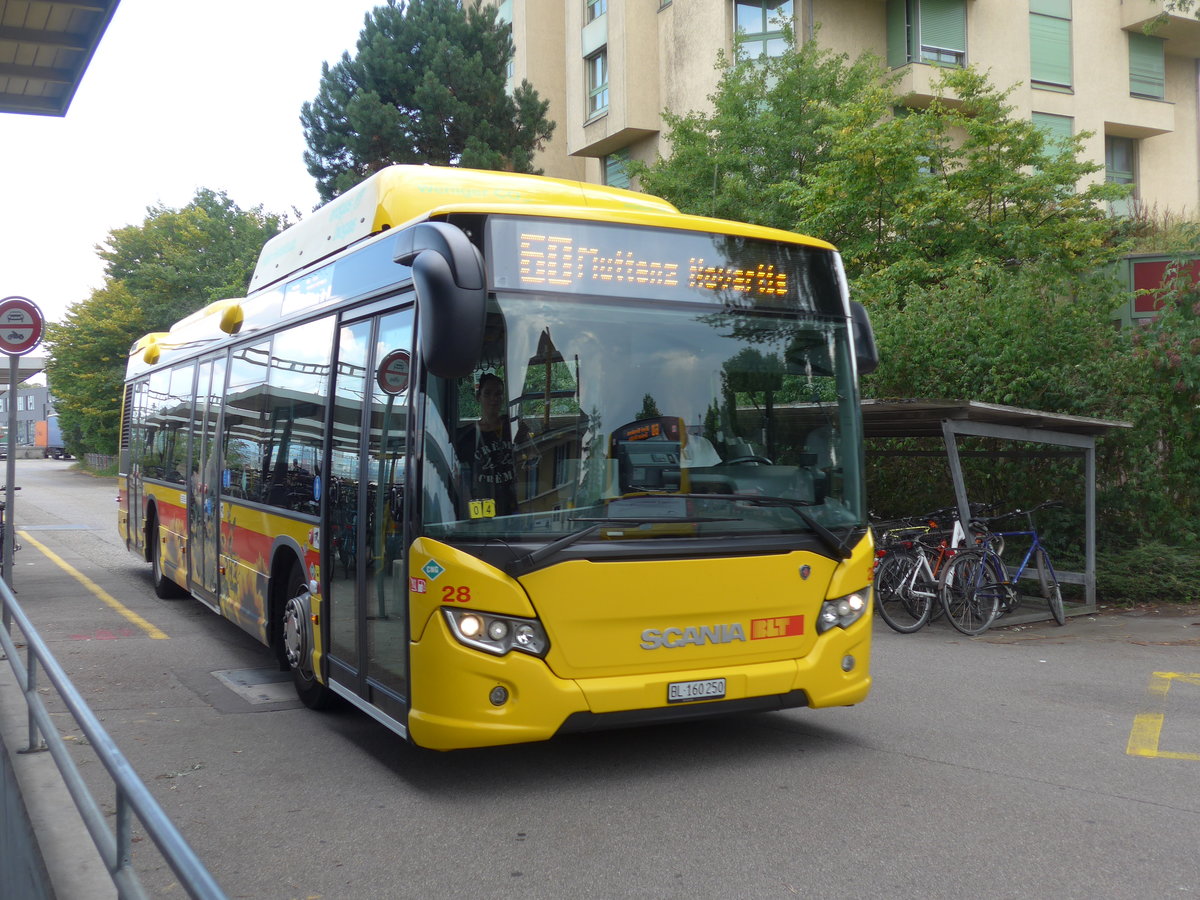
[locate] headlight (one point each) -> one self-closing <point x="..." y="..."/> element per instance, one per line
<point x="842" y="611"/>
<point x="497" y="634"/>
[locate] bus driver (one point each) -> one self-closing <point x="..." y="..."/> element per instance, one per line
<point x="487" y="448"/>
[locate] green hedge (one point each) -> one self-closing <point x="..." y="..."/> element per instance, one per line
<point x="1148" y="573"/>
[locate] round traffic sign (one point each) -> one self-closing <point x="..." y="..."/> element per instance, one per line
<point x="20" y="325"/>
<point x="392" y="375"/>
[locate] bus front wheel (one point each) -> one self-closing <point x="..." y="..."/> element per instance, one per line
<point x="298" y="643"/>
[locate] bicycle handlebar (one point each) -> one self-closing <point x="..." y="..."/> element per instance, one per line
<point x="985" y="522"/>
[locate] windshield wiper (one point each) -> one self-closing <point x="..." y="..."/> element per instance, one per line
<point x="828" y="538"/>
<point x="524" y="564"/>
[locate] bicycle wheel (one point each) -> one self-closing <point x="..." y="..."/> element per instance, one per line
<point x="971" y="590"/>
<point x="898" y="606"/>
<point x="1050" y="589"/>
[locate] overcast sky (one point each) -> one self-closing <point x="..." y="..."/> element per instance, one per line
<point x="179" y="96"/>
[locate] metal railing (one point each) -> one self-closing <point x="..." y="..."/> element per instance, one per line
<point x="133" y="798"/>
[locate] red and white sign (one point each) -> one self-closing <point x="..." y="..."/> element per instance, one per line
<point x="20" y="325"/>
<point x="392" y="375"/>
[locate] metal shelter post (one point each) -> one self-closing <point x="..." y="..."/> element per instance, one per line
<point x="951" y="428"/>
<point x="10" y="470"/>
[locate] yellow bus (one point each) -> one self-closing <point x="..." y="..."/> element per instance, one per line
<point x="496" y="457"/>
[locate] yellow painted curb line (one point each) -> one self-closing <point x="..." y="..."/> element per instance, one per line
<point x="151" y="630"/>
<point x="1147" y="726"/>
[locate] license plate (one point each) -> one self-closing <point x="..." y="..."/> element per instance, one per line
<point x="685" y="691"/>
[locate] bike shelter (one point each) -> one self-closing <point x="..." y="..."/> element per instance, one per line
<point x="1071" y="436"/>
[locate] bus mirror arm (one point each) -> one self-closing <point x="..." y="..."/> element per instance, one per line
<point x="865" y="351"/>
<point x="448" y="274"/>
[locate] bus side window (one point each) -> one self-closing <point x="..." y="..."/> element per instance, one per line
<point x="299" y="385"/>
<point x="245" y="430"/>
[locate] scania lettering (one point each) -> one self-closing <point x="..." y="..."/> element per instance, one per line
<point x="495" y="457"/>
<point x="680" y="637"/>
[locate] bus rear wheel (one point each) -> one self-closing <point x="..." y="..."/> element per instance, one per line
<point x="298" y="644"/>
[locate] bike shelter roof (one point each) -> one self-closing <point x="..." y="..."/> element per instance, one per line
<point x="948" y="419"/>
<point x="925" y="418"/>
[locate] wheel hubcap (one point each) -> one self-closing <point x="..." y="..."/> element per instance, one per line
<point x="295" y="634"/>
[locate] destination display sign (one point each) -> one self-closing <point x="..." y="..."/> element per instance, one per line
<point x="607" y="259"/>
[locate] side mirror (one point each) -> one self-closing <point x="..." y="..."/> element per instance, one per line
<point x="865" y="352"/>
<point x="451" y="288"/>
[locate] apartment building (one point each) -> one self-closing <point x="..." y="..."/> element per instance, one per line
<point x="610" y="67"/>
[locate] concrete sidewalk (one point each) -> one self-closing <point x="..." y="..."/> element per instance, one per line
<point x="64" y="849"/>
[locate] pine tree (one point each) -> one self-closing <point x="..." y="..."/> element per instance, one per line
<point x="427" y="85"/>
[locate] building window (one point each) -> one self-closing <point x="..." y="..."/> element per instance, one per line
<point x="1050" y="44"/>
<point x="616" y="172"/>
<point x="1147" y="66"/>
<point x="927" y="31"/>
<point x="597" y="82"/>
<point x="1120" y="167"/>
<point x="759" y="25"/>
<point x="595" y="9"/>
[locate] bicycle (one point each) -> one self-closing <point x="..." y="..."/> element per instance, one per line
<point x="909" y="574"/>
<point x="905" y="584"/>
<point x="909" y="592"/>
<point x="982" y="586"/>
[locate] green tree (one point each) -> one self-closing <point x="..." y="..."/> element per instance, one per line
<point x="915" y="197"/>
<point x="1159" y="461"/>
<point x="86" y="366"/>
<point x="427" y="85"/>
<point x="179" y="260"/>
<point x="176" y="262"/>
<point x="763" y="136"/>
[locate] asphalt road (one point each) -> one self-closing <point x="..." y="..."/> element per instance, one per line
<point x="1031" y="762"/>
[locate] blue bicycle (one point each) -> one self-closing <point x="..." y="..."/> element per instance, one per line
<point x="979" y="586"/>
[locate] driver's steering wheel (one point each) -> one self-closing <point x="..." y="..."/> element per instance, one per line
<point x="738" y="460"/>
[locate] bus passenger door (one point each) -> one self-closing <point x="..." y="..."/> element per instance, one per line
<point x="365" y="547"/>
<point x="134" y="436"/>
<point x="204" y="507"/>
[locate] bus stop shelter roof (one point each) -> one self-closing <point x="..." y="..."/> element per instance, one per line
<point x="27" y="367"/>
<point x="924" y="418"/>
<point x="45" y="47"/>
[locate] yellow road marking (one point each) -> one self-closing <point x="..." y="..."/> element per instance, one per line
<point x="151" y="630"/>
<point x="1147" y="726"/>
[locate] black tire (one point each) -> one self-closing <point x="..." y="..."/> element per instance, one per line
<point x="971" y="590"/>
<point x="1050" y="589"/>
<point x="296" y="634"/>
<point x="899" y="608"/>
<point x="164" y="587"/>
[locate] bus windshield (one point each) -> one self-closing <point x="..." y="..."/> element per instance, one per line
<point x="639" y="418"/>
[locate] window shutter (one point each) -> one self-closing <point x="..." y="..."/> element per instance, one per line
<point x="1060" y="8"/>
<point x="1147" y="67"/>
<point x="615" y="174"/>
<point x="1059" y="129"/>
<point x="1050" y="50"/>
<point x="898" y="51"/>
<point x="944" y="24"/>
